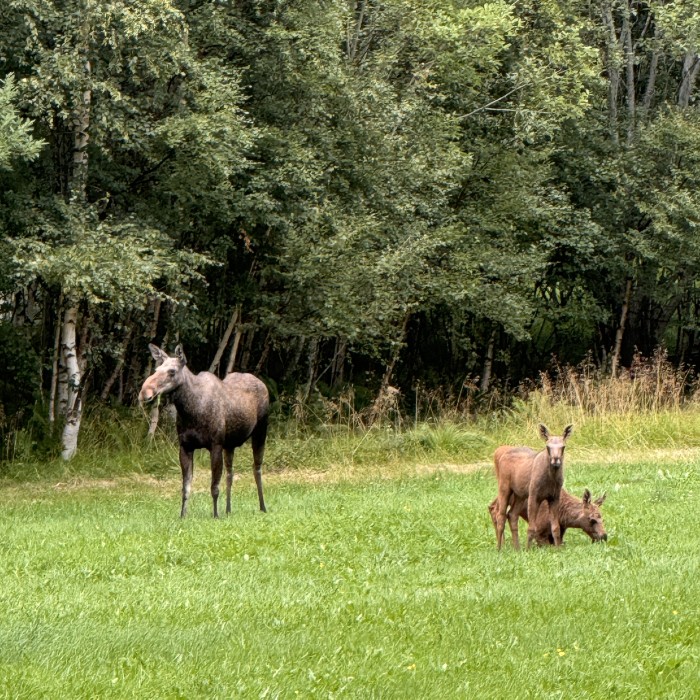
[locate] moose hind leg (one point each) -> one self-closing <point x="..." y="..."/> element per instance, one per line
<point x="217" y="467"/>
<point x="187" y="467"/>
<point x="228" y="462"/>
<point x="501" y="507"/>
<point x="258" y="439"/>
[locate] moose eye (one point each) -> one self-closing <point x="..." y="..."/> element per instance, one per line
<point x="171" y="372"/>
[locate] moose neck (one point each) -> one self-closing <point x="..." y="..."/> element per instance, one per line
<point x="184" y="397"/>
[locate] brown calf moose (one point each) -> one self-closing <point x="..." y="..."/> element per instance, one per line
<point x="573" y="513"/>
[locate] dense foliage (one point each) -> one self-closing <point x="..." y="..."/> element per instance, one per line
<point x="397" y="192"/>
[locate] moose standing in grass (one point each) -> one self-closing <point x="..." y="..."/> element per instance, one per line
<point x="535" y="477"/>
<point x="213" y="414"/>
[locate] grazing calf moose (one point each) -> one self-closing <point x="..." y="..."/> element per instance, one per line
<point x="214" y="414"/>
<point x="573" y="513"/>
<point x="532" y="477"/>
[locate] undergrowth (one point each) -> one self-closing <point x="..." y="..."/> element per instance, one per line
<point x="648" y="406"/>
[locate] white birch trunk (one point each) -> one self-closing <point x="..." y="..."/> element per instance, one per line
<point x="62" y="389"/>
<point x="74" y="364"/>
<point x="69" y="347"/>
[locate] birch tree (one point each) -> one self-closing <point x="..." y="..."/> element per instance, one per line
<point x="93" y="236"/>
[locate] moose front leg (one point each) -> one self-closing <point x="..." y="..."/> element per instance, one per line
<point x="513" y="519"/>
<point x="533" y="506"/>
<point x="187" y="467"/>
<point x="228" y="462"/>
<point x="217" y="467"/>
<point x="554" y="522"/>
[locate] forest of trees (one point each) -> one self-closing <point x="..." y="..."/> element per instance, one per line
<point x="365" y="192"/>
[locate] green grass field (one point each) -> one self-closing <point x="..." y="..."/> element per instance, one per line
<point x="368" y="578"/>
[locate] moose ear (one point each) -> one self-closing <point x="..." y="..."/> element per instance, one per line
<point x="567" y="431"/>
<point x="180" y="354"/>
<point x="544" y="431"/>
<point x="601" y="500"/>
<point x="158" y="355"/>
<point x="586" y="497"/>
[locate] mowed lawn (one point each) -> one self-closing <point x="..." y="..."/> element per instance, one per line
<point x="363" y="588"/>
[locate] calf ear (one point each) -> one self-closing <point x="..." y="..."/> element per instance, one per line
<point x="544" y="431"/>
<point x="567" y="431"/>
<point x="586" y="497"/>
<point x="601" y="500"/>
<point x="158" y="355"/>
<point x="180" y="354"/>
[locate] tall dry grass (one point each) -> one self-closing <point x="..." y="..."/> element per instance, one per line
<point x="650" y="404"/>
<point x="650" y="384"/>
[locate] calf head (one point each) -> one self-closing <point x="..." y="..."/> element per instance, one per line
<point x="555" y="445"/>
<point x="590" y="520"/>
<point x="167" y="376"/>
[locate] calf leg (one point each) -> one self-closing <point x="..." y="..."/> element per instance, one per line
<point x="493" y="510"/>
<point x="187" y="467"/>
<point x="501" y="507"/>
<point x="554" y="521"/>
<point x="516" y="507"/>
<point x="217" y="467"/>
<point x="258" y="439"/>
<point x="533" y="505"/>
<point x="228" y="461"/>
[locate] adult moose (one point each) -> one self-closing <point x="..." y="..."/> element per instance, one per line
<point x="535" y="477"/>
<point x="214" y="414"/>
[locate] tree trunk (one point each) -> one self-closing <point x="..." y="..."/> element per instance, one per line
<point x="386" y="393"/>
<point x="488" y="363"/>
<point x="293" y="363"/>
<point x="224" y="340"/>
<point x="118" y="367"/>
<point x="69" y="348"/>
<point x="312" y="369"/>
<point x="78" y="198"/>
<point x="153" y="422"/>
<point x="55" y="366"/>
<point x="353" y="32"/>
<point x="628" y="50"/>
<point x="149" y="335"/>
<point x="615" y="362"/>
<point x="651" y="82"/>
<point x="81" y="125"/>
<point x="247" y="349"/>
<point x="264" y="354"/>
<point x="234" y="349"/>
<point x="338" y="371"/>
<point x="691" y="66"/>
<point x="612" y="68"/>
